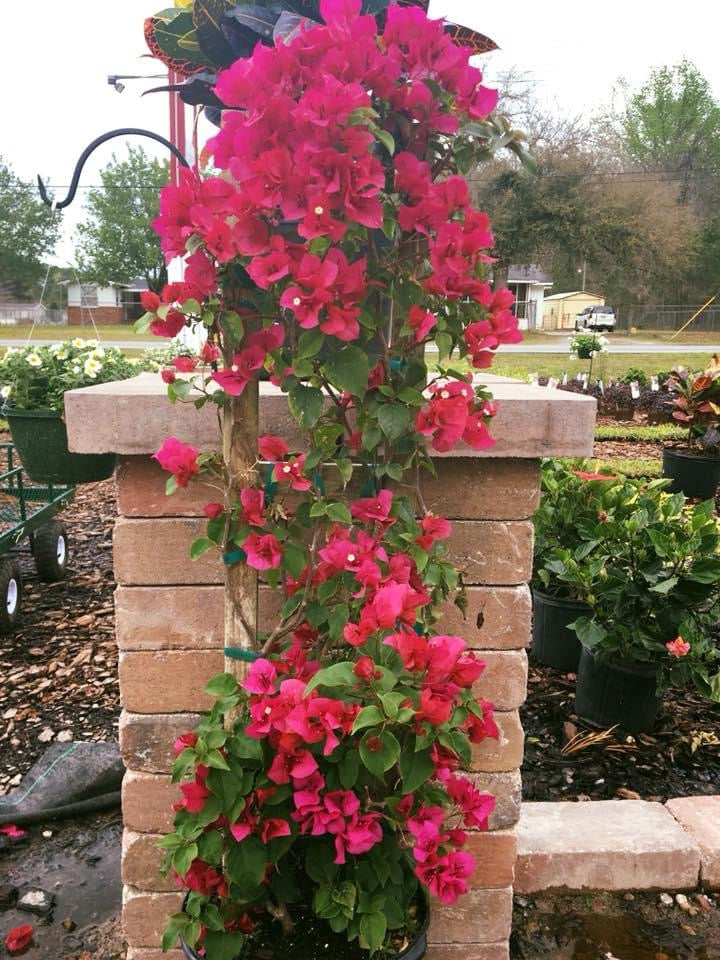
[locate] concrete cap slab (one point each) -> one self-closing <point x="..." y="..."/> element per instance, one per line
<point x="700" y="817"/>
<point x="603" y="845"/>
<point x="134" y="417"/>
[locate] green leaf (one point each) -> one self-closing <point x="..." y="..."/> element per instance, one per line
<point x="246" y="861"/>
<point x="379" y="757"/>
<point x="387" y="140"/>
<point x="183" y="857"/>
<point x="415" y="767"/>
<point x="665" y="586"/>
<point x="309" y="343"/>
<point x="444" y="344"/>
<point x="349" y="370"/>
<point x="348" y="769"/>
<point x="306" y="404"/>
<point x="221" y="685"/>
<point x="368" y="717"/>
<point x="221" y="945"/>
<point x="394" y="419"/>
<point x="373" y="927"/>
<point x="293" y="558"/>
<point x="337" y="675"/>
<point x="339" y="512"/>
<point x="199" y="546"/>
<point x="589" y="633"/>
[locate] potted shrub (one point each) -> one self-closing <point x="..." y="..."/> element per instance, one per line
<point x="34" y="381"/>
<point x="694" y="467"/>
<point x="564" y="569"/>
<point x="323" y="793"/>
<point x="654" y="608"/>
<point x="586" y="346"/>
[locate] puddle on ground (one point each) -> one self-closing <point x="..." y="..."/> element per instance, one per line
<point x="614" y="927"/>
<point x="80" y="866"/>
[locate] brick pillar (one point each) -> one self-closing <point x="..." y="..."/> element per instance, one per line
<point x="169" y="616"/>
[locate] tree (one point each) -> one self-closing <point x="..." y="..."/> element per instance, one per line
<point x="672" y="124"/>
<point x="116" y="243"/>
<point x="27" y="237"/>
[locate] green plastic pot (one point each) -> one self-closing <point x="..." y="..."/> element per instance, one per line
<point x="41" y="442"/>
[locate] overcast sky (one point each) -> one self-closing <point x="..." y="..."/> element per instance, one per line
<point x="55" y="58"/>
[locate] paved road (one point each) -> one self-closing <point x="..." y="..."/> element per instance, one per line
<point x="554" y="345"/>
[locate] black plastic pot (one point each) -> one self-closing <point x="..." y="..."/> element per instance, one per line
<point x="620" y="692"/>
<point x="41" y="442"/>
<point x="553" y="643"/>
<point x="691" y="473"/>
<point x="414" y="951"/>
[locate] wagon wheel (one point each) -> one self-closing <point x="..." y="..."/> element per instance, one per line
<point x="10" y="595"/>
<point x="50" y="549"/>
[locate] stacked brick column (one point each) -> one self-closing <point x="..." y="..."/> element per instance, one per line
<point x="169" y="631"/>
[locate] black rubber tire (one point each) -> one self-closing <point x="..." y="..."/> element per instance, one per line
<point x="50" y="561"/>
<point x="9" y="606"/>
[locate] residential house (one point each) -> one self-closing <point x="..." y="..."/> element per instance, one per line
<point x="528" y="283"/>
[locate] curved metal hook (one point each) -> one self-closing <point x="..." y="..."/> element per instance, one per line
<point x="122" y="132"/>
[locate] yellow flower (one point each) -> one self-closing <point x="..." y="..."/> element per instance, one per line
<point x="78" y="342"/>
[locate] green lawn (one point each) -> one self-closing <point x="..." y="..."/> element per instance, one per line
<point x="607" y="366"/>
<point x="110" y="331"/>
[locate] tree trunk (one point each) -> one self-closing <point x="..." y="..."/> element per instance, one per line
<point x="240" y="429"/>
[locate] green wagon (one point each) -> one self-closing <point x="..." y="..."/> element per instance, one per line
<point x="28" y="509"/>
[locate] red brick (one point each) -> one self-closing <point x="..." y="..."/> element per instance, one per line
<point x="147" y="802"/>
<point x="506" y="787"/>
<point x="481" y="916"/>
<point x="505" y="753"/>
<point x="473" y="488"/>
<point x="141" y="953"/>
<point x="700" y="818"/>
<point x="149" y="552"/>
<point x="504" y="680"/>
<point x="141" y="861"/>
<point x="495" y="854"/>
<point x="492" y="552"/>
<point x="603" y="845"/>
<point x="146" y="741"/>
<point x="177" y="618"/>
<point x="167" y="681"/>
<point x="144" y="915"/>
<point x="461" y="951"/>
<point x="173" y="618"/>
<point x="497" y="618"/>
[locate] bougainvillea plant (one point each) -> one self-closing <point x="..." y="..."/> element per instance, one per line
<point x="337" y="242"/>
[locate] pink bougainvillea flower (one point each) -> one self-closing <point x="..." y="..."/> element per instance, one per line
<point x="678" y="647"/>
<point x="235" y="378"/>
<point x="273" y="828"/>
<point x="261" y="677"/>
<point x="272" y="448"/>
<point x="374" y="509"/>
<point x="185" y="364"/>
<point x="194" y="794"/>
<point x="446" y="877"/>
<point x="168" y="376"/>
<point x="10" y="830"/>
<point x="19" y="938"/>
<point x="263" y="551"/>
<point x="420" y="322"/>
<point x="169" y="327"/>
<point x="179" y="459"/>
<point x="209" y="353"/>
<point x="213" y="510"/>
<point x="292" y="471"/>
<point x="253" y="504"/>
<point x="186" y="740"/>
<point x="433" y="528"/>
<point x="150" y="301"/>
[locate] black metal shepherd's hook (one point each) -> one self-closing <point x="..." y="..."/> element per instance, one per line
<point x="124" y="132"/>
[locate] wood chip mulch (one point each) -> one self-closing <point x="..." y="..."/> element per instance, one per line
<point x="58" y="669"/>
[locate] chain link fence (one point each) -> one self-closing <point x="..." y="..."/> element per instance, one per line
<point x="667" y="317"/>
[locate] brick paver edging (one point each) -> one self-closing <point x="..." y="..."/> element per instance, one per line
<point x="619" y="845"/>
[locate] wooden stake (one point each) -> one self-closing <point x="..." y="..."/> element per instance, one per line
<point x="240" y="430"/>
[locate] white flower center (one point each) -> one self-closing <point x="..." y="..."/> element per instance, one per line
<point x="445" y="394"/>
<point x="351" y="558"/>
<point x="286" y="469"/>
<point x="234" y="368"/>
<point x="297" y="301"/>
<point x="319" y="210"/>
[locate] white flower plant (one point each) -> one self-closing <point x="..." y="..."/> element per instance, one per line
<point x="585" y="346"/>
<point x="36" y="377"/>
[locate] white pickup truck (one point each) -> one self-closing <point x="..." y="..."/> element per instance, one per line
<point x="598" y="318"/>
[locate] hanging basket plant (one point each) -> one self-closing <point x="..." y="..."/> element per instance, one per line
<point x="34" y="381"/>
<point x="324" y="789"/>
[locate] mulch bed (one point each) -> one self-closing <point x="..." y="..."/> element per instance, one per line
<point x="680" y="758"/>
<point x="58" y="670"/>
